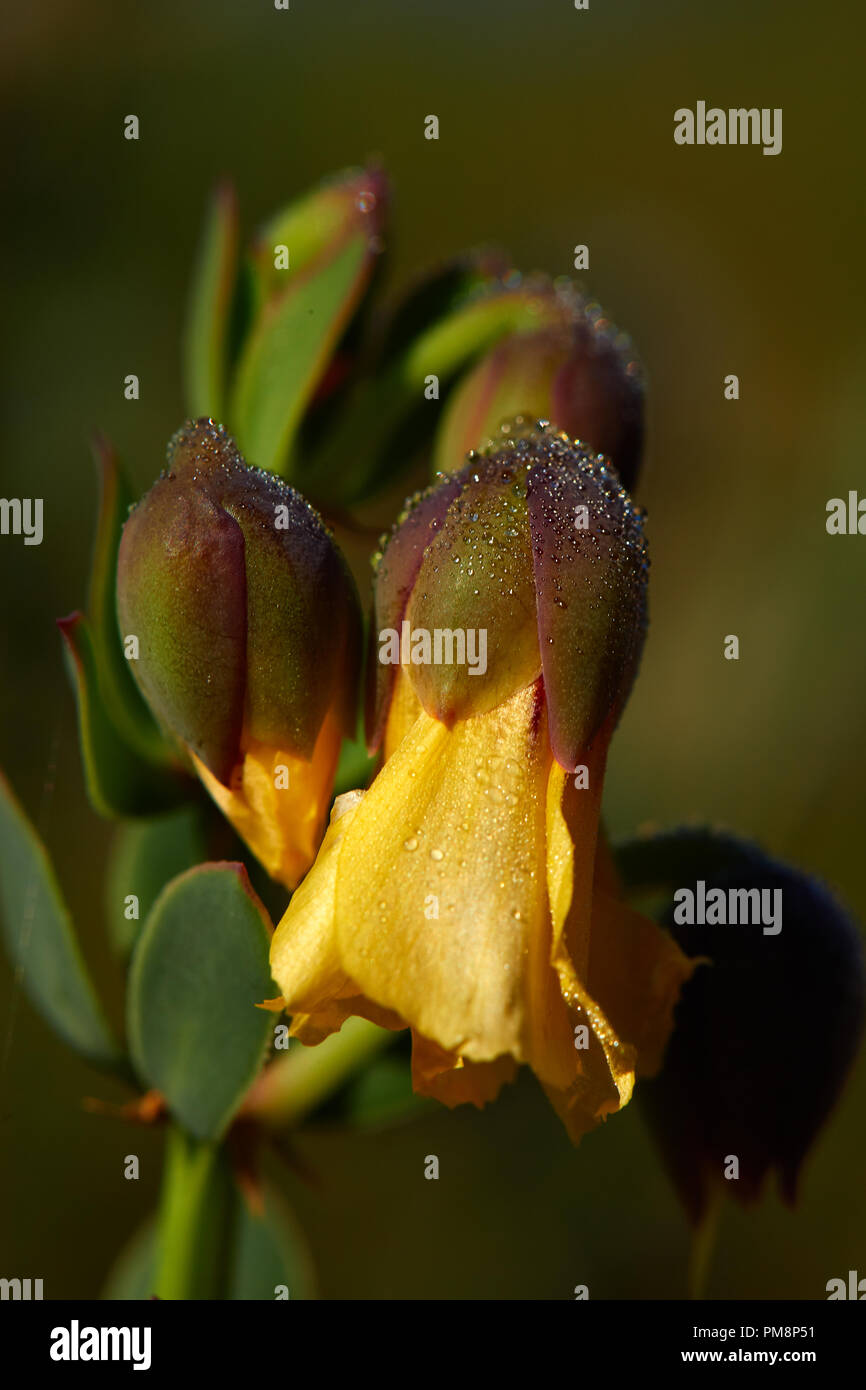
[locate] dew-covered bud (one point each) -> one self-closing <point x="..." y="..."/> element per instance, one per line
<point x="577" y="371"/>
<point x="531" y="561"/>
<point x="764" y="1037"/>
<point x="246" y="618"/>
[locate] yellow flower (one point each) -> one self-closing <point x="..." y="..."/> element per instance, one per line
<point x="459" y="895"/>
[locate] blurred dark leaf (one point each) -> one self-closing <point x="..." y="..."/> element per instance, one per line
<point x="145" y="855"/>
<point x="382" y="1094"/>
<point x="269" y="1251"/>
<point x="41" y="941"/>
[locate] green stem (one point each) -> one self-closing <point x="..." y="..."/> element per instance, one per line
<point x="196" y="1213"/>
<point x="294" y="1085"/>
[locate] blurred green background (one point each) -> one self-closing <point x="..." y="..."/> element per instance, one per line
<point x="556" y="128"/>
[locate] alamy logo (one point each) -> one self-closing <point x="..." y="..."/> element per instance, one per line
<point x="75" y="1343"/>
<point x="736" y="907"/>
<point x="24" y="1289"/>
<point x="420" y="647"/>
<point x="856" y="1287"/>
<point x="737" y="126"/>
<point x="22" y="516"/>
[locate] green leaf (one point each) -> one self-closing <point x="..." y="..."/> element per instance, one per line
<point x="208" y="325"/>
<point x="121" y="695"/>
<point x="119" y="781"/>
<point x="198" y="972"/>
<point x="436" y="295"/>
<point x="145" y="855"/>
<point x="288" y="350"/>
<point x="268" y="1251"/>
<point x="312" y="227"/>
<point x="132" y="1276"/>
<point x="382" y="1095"/>
<point x="41" y="940"/>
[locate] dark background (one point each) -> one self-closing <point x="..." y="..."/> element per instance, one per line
<point x="556" y="128"/>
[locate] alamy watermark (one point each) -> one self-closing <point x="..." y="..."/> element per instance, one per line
<point x="739" y="125"/>
<point x="443" y="646"/>
<point x="22" y="516"/>
<point x="734" y="907"/>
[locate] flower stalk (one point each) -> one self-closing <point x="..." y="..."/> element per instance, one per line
<point x="296" y="1084"/>
<point x="196" y="1217"/>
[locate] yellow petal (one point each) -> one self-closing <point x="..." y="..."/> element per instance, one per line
<point x="603" y="1078"/>
<point x="278" y="802"/>
<point x="305" y="960"/>
<point x="636" y="973"/>
<point x="572" y="832"/>
<point x="441" y="890"/>
<point x="454" y="1081"/>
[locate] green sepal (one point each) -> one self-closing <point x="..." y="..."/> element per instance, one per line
<point x="119" y="781"/>
<point x="120" y="693"/>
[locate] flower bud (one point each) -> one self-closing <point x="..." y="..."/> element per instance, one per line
<point x="248" y="629"/>
<point x="764" y="1037"/>
<point x="533" y="558"/>
<point x="578" y="372"/>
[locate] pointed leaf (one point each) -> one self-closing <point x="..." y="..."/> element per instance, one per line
<point x="288" y="350"/>
<point x="208" y="326"/>
<point x="199" y="970"/>
<point x="313" y="226"/>
<point x="41" y="941"/>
